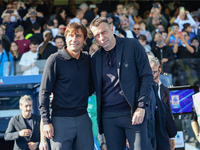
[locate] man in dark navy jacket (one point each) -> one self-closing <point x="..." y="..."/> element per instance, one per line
<point x="162" y="125"/>
<point x="123" y="81"/>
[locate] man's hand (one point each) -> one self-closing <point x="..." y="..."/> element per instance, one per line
<point x="43" y="145"/>
<point x="103" y="147"/>
<point x="25" y="132"/>
<point x="164" y="60"/>
<point x="48" y="131"/>
<point x="32" y="145"/>
<point x="172" y="144"/>
<point x="138" y="116"/>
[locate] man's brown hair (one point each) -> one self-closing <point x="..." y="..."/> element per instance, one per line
<point x="97" y="21"/>
<point x="74" y="26"/>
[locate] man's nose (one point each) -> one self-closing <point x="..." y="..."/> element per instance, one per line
<point x="101" y="37"/>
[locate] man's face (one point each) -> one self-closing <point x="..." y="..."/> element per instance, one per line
<point x="18" y="34"/>
<point x="103" y="34"/>
<point x="120" y="9"/>
<point x="75" y="40"/>
<point x="136" y="29"/>
<point x="33" y="48"/>
<point x="125" y="22"/>
<point x="103" y="14"/>
<point x="156" y="72"/>
<point x="26" y="109"/>
<point x="143" y="43"/>
<point x="59" y="43"/>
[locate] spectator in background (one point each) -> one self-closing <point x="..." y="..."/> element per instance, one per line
<point x="145" y="32"/>
<point x="37" y="33"/>
<point x="155" y="18"/>
<point x="195" y="44"/>
<point x="136" y="30"/>
<point x="171" y="37"/>
<point x="46" y="49"/>
<point x="103" y="13"/>
<point x="10" y="26"/>
<point x="61" y="16"/>
<point x="24" y="128"/>
<point x="61" y="32"/>
<point x="6" y="62"/>
<point x="14" y="50"/>
<point x="28" y="60"/>
<point x="55" y="23"/>
<point x="164" y="35"/>
<point x="120" y="11"/>
<point x="84" y="21"/>
<point x="184" y="17"/>
<point x="185" y="50"/>
<point x="6" y="43"/>
<point x="164" y="53"/>
<point x="59" y="43"/>
<point x="19" y="39"/>
<point x="187" y="27"/>
<point x="132" y="18"/>
<point x="30" y="18"/>
<point x="143" y="40"/>
<point x="78" y="16"/>
<point x="4" y="36"/>
<point x="50" y="26"/>
<point x="20" y="7"/>
<point x="89" y="15"/>
<point x="14" y="14"/>
<point x="89" y="39"/>
<point x="125" y="26"/>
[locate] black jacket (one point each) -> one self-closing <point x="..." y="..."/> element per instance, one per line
<point x="165" y="126"/>
<point x="17" y="124"/>
<point x="134" y="72"/>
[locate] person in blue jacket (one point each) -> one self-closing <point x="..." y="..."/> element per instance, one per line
<point x="6" y="62"/>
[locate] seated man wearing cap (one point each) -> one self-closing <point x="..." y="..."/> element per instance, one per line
<point x="21" y="41"/>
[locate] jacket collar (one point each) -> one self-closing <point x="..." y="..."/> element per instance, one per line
<point x="67" y="56"/>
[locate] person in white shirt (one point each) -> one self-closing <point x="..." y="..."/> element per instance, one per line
<point x="28" y="60"/>
<point x="78" y="17"/>
<point x="184" y="17"/>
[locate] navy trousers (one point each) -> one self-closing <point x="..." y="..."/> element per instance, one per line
<point x="118" y="129"/>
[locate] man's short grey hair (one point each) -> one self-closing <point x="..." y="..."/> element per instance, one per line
<point x="24" y="98"/>
<point x="83" y="6"/>
<point x="153" y="61"/>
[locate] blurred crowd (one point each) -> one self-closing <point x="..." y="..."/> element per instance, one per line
<point x="32" y="30"/>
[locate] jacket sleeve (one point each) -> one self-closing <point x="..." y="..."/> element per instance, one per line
<point x="144" y="72"/>
<point x="47" y="85"/>
<point x="12" y="68"/>
<point x="170" y="124"/>
<point x="11" y="133"/>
